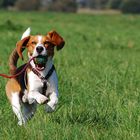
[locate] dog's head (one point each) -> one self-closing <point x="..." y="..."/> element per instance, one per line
<point x="40" y="45"/>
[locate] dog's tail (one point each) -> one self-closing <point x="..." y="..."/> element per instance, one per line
<point x="13" y="61"/>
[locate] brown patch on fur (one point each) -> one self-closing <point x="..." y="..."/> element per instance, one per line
<point x="56" y="39"/>
<point x="12" y="86"/>
<point x="16" y="84"/>
<point x="21" y="46"/>
<point x="13" y="61"/>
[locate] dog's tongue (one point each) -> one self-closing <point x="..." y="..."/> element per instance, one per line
<point x="40" y="67"/>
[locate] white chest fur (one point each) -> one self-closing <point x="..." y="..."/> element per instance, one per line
<point x="35" y="83"/>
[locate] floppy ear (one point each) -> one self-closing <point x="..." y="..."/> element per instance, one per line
<point x="56" y="39"/>
<point x="20" y="46"/>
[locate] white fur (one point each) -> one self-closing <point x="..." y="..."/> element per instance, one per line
<point x="17" y="108"/>
<point x="24" y="113"/>
<point x="26" y="33"/>
<point x="39" y="39"/>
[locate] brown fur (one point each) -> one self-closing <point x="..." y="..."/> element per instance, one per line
<point x="13" y="61"/>
<point x="16" y="84"/>
<point x="15" y="88"/>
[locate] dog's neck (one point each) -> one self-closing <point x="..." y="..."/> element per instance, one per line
<point x="48" y="66"/>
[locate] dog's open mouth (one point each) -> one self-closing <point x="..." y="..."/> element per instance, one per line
<point x="40" y="62"/>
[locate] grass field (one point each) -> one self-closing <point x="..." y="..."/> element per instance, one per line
<point x="99" y="77"/>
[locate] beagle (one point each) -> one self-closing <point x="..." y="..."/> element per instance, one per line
<point x="38" y="83"/>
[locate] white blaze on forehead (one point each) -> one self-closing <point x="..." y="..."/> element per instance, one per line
<point x="39" y="39"/>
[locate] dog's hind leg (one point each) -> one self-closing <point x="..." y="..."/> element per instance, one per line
<point x="16" y="106"/>
<point x="28" y="110"/>
<point x="13" y="93"/>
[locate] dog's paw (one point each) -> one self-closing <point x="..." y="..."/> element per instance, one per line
<point x="29" y="116"/>
<point x="25" y="98"/>
<point x="21" y="122"/>
<point x="31" y="100"/>
<point x="41" y="99"/>
<point x="49" y="109"/>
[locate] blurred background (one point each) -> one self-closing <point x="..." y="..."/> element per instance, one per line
<point x="77" y="6"/>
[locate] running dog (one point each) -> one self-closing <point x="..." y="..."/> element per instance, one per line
<point x="37" y="84"/>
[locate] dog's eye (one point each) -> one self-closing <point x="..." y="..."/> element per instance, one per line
<point x="34" y="43"/>
<point x="47" y="43"/>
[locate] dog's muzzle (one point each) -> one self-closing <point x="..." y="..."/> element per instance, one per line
<point x="40" y="62"/>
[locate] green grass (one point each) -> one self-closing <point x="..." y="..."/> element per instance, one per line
<point x="99" y="77"/>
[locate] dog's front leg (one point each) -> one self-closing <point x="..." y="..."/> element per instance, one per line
<point x="53" y="100"/>
<point x="36" y="96"/>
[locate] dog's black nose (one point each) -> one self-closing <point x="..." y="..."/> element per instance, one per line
<point x="39" y="49"/>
